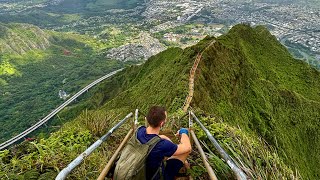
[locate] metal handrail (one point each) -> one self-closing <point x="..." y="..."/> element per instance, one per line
<point x="239" y="173"/>
<point x="136" y="117"/>
<point x="107" y="168"/>
<point x="64" y="173"/>
<point x="202" y="154"/>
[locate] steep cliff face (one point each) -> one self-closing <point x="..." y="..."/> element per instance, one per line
<point x="248" y="78"/>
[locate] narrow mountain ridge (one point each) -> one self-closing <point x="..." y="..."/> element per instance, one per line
<point x="251" y="80"/>
<point x="247" y="78"/>
<point x="260" y="103"/>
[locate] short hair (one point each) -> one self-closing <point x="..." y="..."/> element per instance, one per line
<point x="155" y="115"/>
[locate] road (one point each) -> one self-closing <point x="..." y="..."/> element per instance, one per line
<point x="55" y="111"/>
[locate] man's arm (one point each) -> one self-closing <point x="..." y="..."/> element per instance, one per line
<point x="165" y="137"/>
<point x="184" y="146"/>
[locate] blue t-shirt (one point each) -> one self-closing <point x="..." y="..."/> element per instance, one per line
<point x="163" y="148"/>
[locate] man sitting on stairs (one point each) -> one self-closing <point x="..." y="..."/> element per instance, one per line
<point x="176" y="153"/>
<point x="143" y="157"/>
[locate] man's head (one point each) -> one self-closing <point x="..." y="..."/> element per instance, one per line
<point x="156" y="116"/>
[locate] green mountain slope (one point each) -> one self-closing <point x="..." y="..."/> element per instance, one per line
<point x="20" y="38"/>
<point x="251" y="81"/>
<point x="266" y="105"/>
<point x="35" y="64"/>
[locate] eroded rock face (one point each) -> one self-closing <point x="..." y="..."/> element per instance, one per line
<point x="143" y="47"/>
<point x="20" y="38"/>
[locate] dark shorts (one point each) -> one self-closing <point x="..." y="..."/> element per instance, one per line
<point x="172" y="168"/>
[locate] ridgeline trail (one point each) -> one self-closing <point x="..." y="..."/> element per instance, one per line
<point x="166" y="131"/>
<point x="191" y="78"/>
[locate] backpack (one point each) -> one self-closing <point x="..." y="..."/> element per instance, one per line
<point x="132" y="162"/>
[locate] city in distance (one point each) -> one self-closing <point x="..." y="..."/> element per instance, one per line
<point x="138" y="23"/>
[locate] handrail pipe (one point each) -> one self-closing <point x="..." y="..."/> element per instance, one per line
<point x="239" y="173"/>
<point x="204" y="158"/>
<point x="64" y="173"/>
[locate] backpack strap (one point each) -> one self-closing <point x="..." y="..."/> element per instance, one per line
<point x="153" y="142"/>
<point x="136" y="132"/>
<point x="157" y="172"/>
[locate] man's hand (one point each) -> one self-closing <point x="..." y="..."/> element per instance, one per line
<point x="185" y="145"/>
<point x="182" y="131"/>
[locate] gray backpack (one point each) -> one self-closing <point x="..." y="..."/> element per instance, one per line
<point x="132" y="162"/>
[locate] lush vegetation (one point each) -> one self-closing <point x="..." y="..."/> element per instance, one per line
<point x="117" y="35"/>
<point x="128" y="86"/>
<point x="42" y="159"/>
<point x="259" y="159"/>
<point x="39" y="64"/>
<point x="252" y="81"/>
<point x="260" y="103"/>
